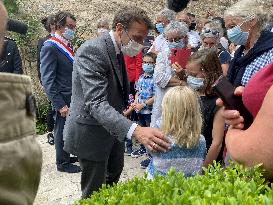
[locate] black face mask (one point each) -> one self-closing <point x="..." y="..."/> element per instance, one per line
<point x="192" y="26"/>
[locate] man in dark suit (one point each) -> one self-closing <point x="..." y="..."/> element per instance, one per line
<point x="57" y="58"/>
<point x="49" y="24"/>
<point x="95" y="130"/>
<point x="10" y="59"/>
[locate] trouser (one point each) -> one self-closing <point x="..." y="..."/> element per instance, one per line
<point x="96" y="173"/>
<point x="50" y="118"/>
<point x="133" y="117"/>
<point x="21" y="156"/>
<point x="144" y="119"/>
<point x="62" y="157"/>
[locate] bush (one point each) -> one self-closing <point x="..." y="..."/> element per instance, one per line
<point x="41" y="125"/>
<point x="235" y="185"/>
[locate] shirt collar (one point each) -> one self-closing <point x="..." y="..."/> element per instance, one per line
<point x="66" y="42"/>
<point x="114" y="42"/>
<point x="146" y="75"/>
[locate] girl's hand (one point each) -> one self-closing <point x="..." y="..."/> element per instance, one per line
<point x="139" y="107"/>
<point x="177" y="68"/>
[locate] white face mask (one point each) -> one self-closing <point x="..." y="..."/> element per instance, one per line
<point x="132" y="48"/>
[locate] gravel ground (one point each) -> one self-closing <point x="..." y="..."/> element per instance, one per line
<point x="58" y="188"/>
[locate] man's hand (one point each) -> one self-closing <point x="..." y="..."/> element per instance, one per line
<point x="152" y="138"/>
<point x="232" y="117"/>
<point x="64" y="111"/>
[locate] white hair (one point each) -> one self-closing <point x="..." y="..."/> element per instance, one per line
<point x="167" y="14"/>
<point x="250" y="9"/>
<point x="175" y="26"/>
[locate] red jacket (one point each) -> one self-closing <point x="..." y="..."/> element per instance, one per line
<point x="133" y="67"/>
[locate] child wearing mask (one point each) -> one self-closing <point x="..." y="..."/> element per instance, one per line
<point x="181" y="122"/>
<point x="144" y="99"/>
<point x="203" y="69"/>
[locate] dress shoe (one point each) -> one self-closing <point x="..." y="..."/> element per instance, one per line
<point x="50" y="138"/>
<point x="69" y="168"/>
<point x="73" y="159"/>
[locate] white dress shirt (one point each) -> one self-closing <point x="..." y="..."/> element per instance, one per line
<point x="117" y="49"/>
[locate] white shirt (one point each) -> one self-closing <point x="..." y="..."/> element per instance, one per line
<point x="117" y="49"/>
<point x="160" y="43"/>
<point x="193" y="39"/>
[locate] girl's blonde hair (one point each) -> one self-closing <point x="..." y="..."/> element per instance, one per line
<point x="181" y="116"/>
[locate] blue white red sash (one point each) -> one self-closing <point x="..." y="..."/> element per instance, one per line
<point x="67" y="51"/>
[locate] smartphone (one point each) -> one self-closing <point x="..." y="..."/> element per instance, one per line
<point x="225" y="90"/>
<point x="180" y="56"/>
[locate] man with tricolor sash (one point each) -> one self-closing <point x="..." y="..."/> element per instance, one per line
<point x="57" y="56"/>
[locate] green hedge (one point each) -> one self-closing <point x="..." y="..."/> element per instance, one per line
<point x="234" y="185"/>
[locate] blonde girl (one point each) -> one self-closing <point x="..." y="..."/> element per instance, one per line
<point x="181" y="122"/>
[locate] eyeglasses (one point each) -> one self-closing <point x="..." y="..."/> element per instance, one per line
<point x="137" y="39"/>
<point x="176" y="40"/>
<point x="212" y="31"/>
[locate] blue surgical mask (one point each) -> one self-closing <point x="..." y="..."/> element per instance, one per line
<point x="237" y="36"/>
<point x="195" y="83"/>
<point x="159" y="27"/>
<point x="148" y="68"/>
<point x="177" y="45"/>
<point x="69" y="34"/>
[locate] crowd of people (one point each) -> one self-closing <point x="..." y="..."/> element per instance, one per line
<point x="153" y="83"/>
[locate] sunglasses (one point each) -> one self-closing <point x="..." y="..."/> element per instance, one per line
<point x="212" y="31"/>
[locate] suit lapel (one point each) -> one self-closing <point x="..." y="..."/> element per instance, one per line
<point x="113" y="57"/>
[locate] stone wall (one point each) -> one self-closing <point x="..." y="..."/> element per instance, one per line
<point x="89" y="11"/>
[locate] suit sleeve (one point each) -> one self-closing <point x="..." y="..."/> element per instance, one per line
<point x="39" y="48"/>
<point x="17" y="61"/>
<point x="91" y="64"/>
<point x="48" y="69"/>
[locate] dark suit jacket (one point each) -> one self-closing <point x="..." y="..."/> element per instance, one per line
<point x="56" y="75"/>
<point x="10" y="59"/>
<point x="99" y="95"/>
<point x="39" y="48"/>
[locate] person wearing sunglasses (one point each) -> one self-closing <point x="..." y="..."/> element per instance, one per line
<point x="211" y="39"/>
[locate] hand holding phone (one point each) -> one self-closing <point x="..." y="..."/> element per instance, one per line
<point x="225" y="90"/>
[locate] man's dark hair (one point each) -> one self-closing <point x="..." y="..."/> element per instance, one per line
<point x="61" y="17"/>
<point x="128" y="15"/>
<point x="151" y="55"/>
<point x="48" y="21"/>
